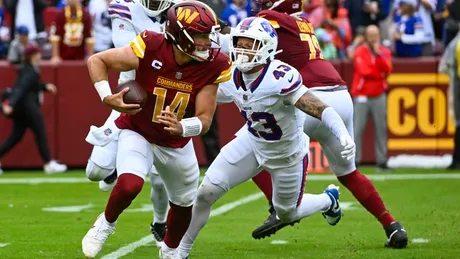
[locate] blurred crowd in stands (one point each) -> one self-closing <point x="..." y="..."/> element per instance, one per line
<point x="73" y="29"/>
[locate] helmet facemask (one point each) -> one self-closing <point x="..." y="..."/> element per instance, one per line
<point x="246" y="59"/>
<point x="154" y="8"/>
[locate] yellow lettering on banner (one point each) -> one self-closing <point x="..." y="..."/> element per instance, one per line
<point x="450" y="125"/>
<point x="186" y="14"/>
<point x="408" y="123"/>
<point x="431" y="99"/>
<point x="178" y="105"/>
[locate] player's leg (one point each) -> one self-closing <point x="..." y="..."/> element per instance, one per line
<point x="178" y="167"/>
<point x="103" y="157"/>
<point x="378" y="110"/>
<point x="361" y="111"/>
<point x="160" y="202"/>
<point x="345" y="170"/>
<point x="134" y="160"/>
<point x="226" y="172"/>
<point x="101" y="165"/>
<point x="290" y="202"/>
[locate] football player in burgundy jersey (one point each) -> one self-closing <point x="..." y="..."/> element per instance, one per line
<point x="180" y="70"/>
<point x="300" y="48"/>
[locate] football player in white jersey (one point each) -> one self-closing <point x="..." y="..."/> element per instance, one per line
<point x="129" y="18"/>
<point x="272" y="98"/>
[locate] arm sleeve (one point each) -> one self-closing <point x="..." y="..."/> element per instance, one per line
<point x="13" y="55"/>
<point x="363" y="65"/>
<point x="225" y="75"/>
<point x="383" y="62"/>
<point x="123" y="33"/>
<point x="21" y="86"/>
<point x="88" y="26"/>
<point x="224" y="96"/>
<point x="418" y="35"/>
<point x="224" y="42"/>
<point x="295" y="95"/>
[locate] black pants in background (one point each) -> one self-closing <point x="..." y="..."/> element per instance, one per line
<point x="27" y="118"/>
<point x="211" y="141"/>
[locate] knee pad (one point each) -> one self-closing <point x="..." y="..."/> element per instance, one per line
<point x="157" y="182"/>
<point x="97" y="173"/>
<point x="209" y="192"/>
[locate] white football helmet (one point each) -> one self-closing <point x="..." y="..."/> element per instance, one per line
<point x="154" y="8"/>
<point x="264" y="46"/>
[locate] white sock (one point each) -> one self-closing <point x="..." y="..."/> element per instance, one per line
<point x="159" y="198"/>
<point x="111" y="224"/>
<point x="312" y="203"/>
<point x="207" y="195"/>
<point x="166" y="248"/>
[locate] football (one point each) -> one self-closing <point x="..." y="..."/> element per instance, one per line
<point x="135" y="95"/>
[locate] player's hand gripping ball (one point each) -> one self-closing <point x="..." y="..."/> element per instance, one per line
<point x="128" y="98"/>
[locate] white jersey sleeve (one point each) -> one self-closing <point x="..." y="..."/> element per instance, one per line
<point x="292" y="85"/>
<point x="224" y="42"/>
<point x="123" y="32"/>
<point x="223" y="96"/>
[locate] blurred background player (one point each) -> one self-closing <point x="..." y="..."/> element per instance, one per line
<point x="301" y="50"/>
<point x="273" y="100"/>
<point x="71" y="34"/>
<point x="23" y="106"/>
<point x="129" y="18"/>
<point x="161" y="132"/>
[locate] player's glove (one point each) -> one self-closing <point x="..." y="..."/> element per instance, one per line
<point x="349" y="147"/>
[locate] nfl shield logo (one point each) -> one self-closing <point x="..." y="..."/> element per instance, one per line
<point x="179" y="75"/>
<point x="245" y="97"/>
<point x="107" y="131"/>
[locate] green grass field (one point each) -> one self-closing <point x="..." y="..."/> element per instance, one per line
<point x="428" y="207"/>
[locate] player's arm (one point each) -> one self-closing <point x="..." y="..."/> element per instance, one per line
<point x="123" y="32"/>
<point x="223" y="96"/>
<point x="119" y="59"/>
<point x="307" y="102"/>
<point x="205" y="106"/>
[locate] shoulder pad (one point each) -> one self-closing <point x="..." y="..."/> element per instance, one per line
<point x="289" y="79"/>
<point x="270" y="16"/>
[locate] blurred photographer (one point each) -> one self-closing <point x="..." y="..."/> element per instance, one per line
<point x="23" y="107"/>
<point x="372" y="65"/>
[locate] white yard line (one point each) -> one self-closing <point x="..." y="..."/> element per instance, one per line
<point x="311" y="177"/>
<point x="129" y="248"/>
<point x="4" y="244"/>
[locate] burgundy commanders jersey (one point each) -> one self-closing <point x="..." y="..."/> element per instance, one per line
<point x="296" y="37"/>
<point x="168" y="84"/>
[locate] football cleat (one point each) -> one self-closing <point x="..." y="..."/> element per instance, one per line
<point x="159" y="232"/>
<point x="397" y="235"/>
<point x="169" y="255"/>
<point x="97" y="235"/>
<point x="109" y="182"/>
<point x="334" y="213"/>
<point x="54" y="167"/>
<point x="271" y="225"/>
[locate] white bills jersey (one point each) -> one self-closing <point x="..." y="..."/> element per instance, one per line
<point x="128" y="20"/>
<point x="274" y="124"/>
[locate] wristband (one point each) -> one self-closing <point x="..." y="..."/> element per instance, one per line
<point x="191" y="127"/>
<point x="103" y="89"/>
